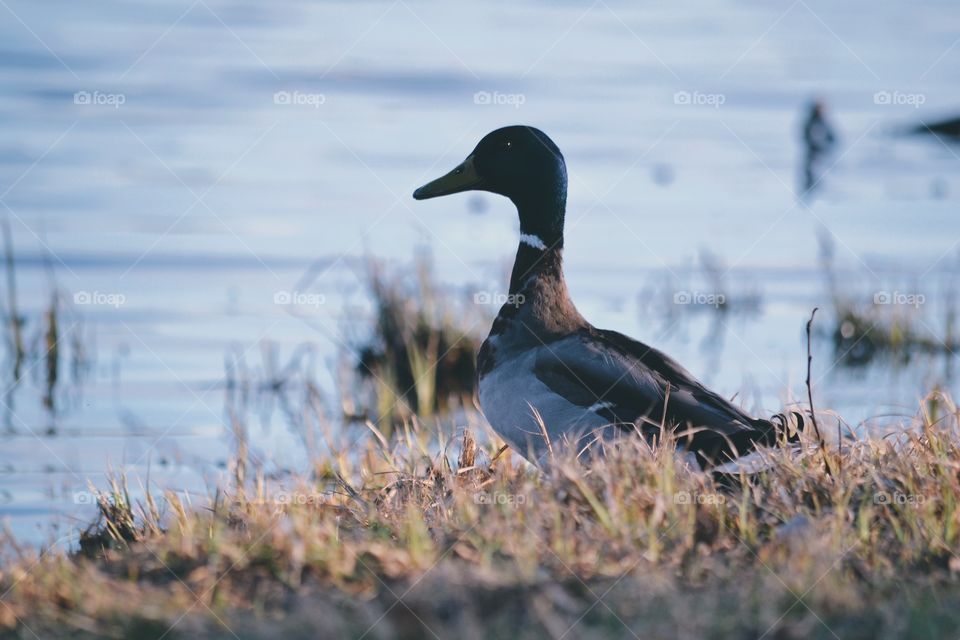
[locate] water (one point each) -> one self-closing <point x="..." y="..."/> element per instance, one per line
<point x="182" y="163"/>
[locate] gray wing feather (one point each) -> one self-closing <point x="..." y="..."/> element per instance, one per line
<point x="634" y="382"/>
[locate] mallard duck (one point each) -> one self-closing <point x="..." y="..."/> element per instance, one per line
<point x="546" y="376"/>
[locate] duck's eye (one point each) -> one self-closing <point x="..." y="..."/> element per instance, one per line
<point x="507" y="145"/>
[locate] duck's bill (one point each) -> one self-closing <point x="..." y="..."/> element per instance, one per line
<point x="463" y="178"/>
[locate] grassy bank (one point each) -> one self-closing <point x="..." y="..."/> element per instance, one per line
<point x="414" y="538"/>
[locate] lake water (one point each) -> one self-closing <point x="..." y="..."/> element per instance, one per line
<point x="169" y="168"/>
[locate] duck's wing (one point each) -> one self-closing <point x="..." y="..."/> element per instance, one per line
<point x="628" y="382"/>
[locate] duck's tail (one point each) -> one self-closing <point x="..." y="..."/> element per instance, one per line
<point x="788" y="425"/>
<point x="714" y="448"/>
<point x="780" y="429"/>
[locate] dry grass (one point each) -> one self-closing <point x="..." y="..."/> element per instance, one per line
<point x="419" y="356"/>
<point x="416" y="537"/>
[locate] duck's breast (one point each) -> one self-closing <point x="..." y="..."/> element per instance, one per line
<point x="524" y="411"/>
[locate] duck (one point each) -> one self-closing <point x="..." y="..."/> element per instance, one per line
<point x="548" y="378"/>
<point x="948" y="128"/>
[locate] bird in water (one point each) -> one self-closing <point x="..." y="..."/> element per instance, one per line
<point x="949" y="129"/>
<point x="547" y="376"/>
<point x="819" y="140"/>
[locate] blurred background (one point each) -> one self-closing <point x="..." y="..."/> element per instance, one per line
<point x="209" y="234"/>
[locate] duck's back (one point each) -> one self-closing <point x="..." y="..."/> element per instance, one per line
<point x="570" y="388"/>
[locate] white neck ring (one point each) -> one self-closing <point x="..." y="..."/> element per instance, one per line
<point x="533" y="241"/>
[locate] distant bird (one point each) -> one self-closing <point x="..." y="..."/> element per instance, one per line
<point x="818" y="141"/>
<point x="949" y="128"/>
<point x="545" y="375"/>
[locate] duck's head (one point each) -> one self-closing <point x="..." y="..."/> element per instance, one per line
<point x="523" y="164"/>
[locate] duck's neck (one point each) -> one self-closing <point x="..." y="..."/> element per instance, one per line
<point x="535" y="260"/>
<point x="537" y="282"/>
<point x="540" y="291"/>
<point x="541" y="235"/>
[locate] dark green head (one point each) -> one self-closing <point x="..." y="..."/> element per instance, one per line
<point x="523" y="164"/>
